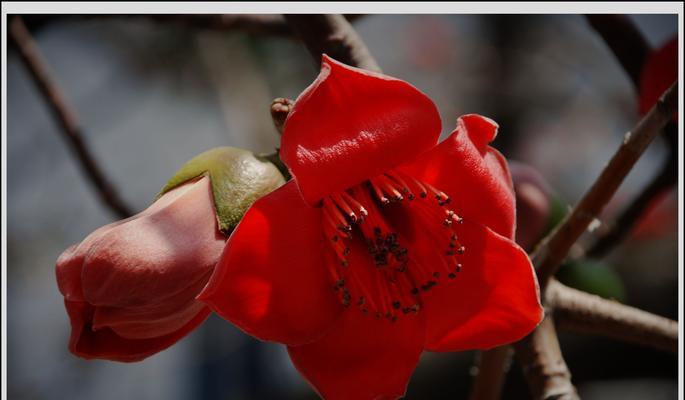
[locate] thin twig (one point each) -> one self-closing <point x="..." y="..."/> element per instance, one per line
<point x="587" y="313"/>
<point x="619" y="229"/>
<point x="492" y="368"/>
<point x="256" y="24"/>
<point x="543" y="365"/>
<point x="32" y="59"/>
<point x="556" y="245"/>
<point x="333" y="35"/>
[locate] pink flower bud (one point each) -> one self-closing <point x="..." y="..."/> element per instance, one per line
<point x="532" y="204"/>
<point x="130" y="287"/>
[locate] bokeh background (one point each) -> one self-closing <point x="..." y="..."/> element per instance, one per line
<point x="151" y="95"/>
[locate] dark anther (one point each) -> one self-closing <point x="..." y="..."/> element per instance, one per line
<point x="396" y="304"/>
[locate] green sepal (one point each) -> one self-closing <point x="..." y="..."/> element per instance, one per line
<point x="238" y="178"/>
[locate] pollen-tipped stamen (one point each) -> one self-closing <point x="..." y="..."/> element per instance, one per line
<point x="342" y="205"/>
<point x="394" y="287"/>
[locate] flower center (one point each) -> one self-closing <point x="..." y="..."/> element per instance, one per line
<point x="364" y="221"/>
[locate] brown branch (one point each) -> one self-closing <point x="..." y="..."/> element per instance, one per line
<point x="257" y="24"/>
<point x="543" y="365"/>
<point x="33" y="61"/>
<point x="625" y="40"/>
<point x="587" y="313"/>
<point x="254" y="24"/>
<point x="333" y="35"/>
<point x="556" y="245"/>
<point x="492" y="368"/>
<point x="625" y="222"/>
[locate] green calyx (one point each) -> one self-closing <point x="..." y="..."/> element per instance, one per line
<point x="238" y="178"/>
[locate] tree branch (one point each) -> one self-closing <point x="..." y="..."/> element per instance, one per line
<point x="543" y="365"/>
<point x="333" y="35"/>
<point x="587" y="313"/>
<point x="254" y="24"/>
<point x="258" y="24"/>
<point x="556" y="245"/>
<point x="619" y="229"/>
<point x="33" y="61"/>
<point x="492" y="368"/>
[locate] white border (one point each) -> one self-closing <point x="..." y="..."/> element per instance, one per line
<point x="346" y="7"/>
<point x="337" y="7"/>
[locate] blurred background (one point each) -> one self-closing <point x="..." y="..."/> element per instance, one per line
<point x="150" y="95"/>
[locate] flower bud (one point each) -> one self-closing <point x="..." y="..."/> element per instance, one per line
<point x="129" y="287"/>
<point x="533" y="206"/>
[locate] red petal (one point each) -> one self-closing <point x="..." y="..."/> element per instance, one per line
<point x="272" y="279"/>
<point x="362" y="357"/>
<point x="352" y="124"/>
<point x="473" y="174"/>
<point x="152" y="320"/>
<point x="494" y="300"/>
<point x="105" y="343"/>
<point x="659" y="72"/>
<point x="156" y="257"/>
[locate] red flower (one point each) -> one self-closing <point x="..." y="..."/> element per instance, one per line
<point x="385" y="243"/>
<point x="130" y="287"/>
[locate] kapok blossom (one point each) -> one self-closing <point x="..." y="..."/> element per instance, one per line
<point x="129" y="287"/>
<point x="386" y="243"/>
